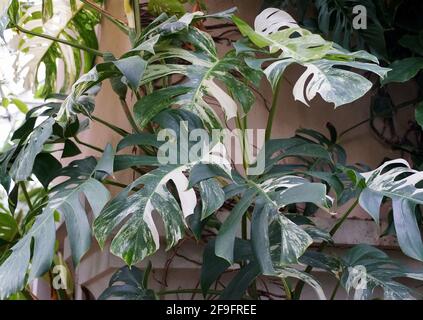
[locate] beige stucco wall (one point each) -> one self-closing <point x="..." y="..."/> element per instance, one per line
<point x="97" y="267"/>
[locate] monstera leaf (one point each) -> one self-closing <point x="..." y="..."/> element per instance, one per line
<point x="203" y="72"/>
<point x="397" y="181"/>
<point x="366" y="268"/>
<point x="63" y="20"/>
<point x="324" y="61"/>
<point x="65" y="198"/>
<point x="24" y="162"/>
<point x="139" y="237"/>
<point x="268" y="197"/>
<point x="133" y="282"/>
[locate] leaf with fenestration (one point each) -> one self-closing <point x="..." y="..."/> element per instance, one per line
<point x="65" y="198"/>
<point x="396" y="180"/>
<point x="366" y="268"/>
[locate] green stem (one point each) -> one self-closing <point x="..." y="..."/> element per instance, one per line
<point x="272" y="112"/>
<point x="137" y="14"/>
<point x="287" y="289"/>
<point x="86" y="144"/>
<point x="26" y="195"/>
<point x="72" y="44"/>
<point x="335" y="290"/>
<point x="120" y="24"/>
<point x="110" y="126"/>
<point x="114" y="183"/>
<point x="323" y="245"/>
<point x="129" y="115"/>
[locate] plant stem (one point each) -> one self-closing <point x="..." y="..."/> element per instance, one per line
<point x="72" y="44"/>
<point x="396" y="108"/>
<point x="323" y="245"/>
<point x="114" y="183"/>
<point x="287" y="289"/>
<point x="86" y="144"/>
<point x="273" y="110"/>
<point x="129" y="115"/>
<point x="137" y="14"/>
<point x="110" y="126"/>
<point x="26" y="195"/>
<point x="120" y="24"/>
<point x="335" y="290"/>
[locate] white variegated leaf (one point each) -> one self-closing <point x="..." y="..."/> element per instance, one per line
<point x="396" y="180"/>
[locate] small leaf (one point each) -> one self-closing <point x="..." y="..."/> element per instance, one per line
<point x="403" y="70"/>
<point x="22" y="106"/>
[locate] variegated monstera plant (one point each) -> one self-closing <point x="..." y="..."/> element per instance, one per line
<point x="180" y="81"/>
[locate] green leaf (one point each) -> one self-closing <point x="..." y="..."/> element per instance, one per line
<point x="365" y="268"/>
<point x="139" y="237"/>
<point x="46" y="167"/>
<point x="132" y="68"/>
<point x="140" y="139"/>
<point x="8" y="227"/>
<point x="289" y="272"/>
<point x="413" y="42"/>
<point x="203" y="73"/>
<point x="24" y="162"/>
<point x="396" y="180"/>
<point x="320" y="58"/>
<point x="66" y="199"/>
<point x="5" y="102"/>
<point x="225" y="240"/>
<point x="403" y="70"/>
<point x="57" y="19"/>
<point x="239" y="284"/>
<point x="133" y="287"/>
<point x="105" y="163"/>
<point x="213" y="266"/>
<point x="171" y="7"/>
<point x="70" y="149"/>
<point x="336" y="21"/>
<point x="291" y="241"/>
<point x="47" y="9"/>
<point x="22" y="106"/>
<point x="419" y="113"/>
<point x="212" y="197"/>
<point x="272" y="194"/>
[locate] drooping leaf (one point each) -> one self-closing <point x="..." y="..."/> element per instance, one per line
<point x="278" y="31"/>
<point x="138" y="237"/>
<point x="288" y="272"/>
<point x="366" y="268"/>
<point x="213" y="266"/>
<point x="59" y="21"/>
<point x="403" y="70"/>
<point x="397" y="181"/>
<point x="132" y="287"/>
<point x="202" y="73"/>
<point x="24" y="162"/>
<point x="66" y="199"/>
<point x="269" y="196"/>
